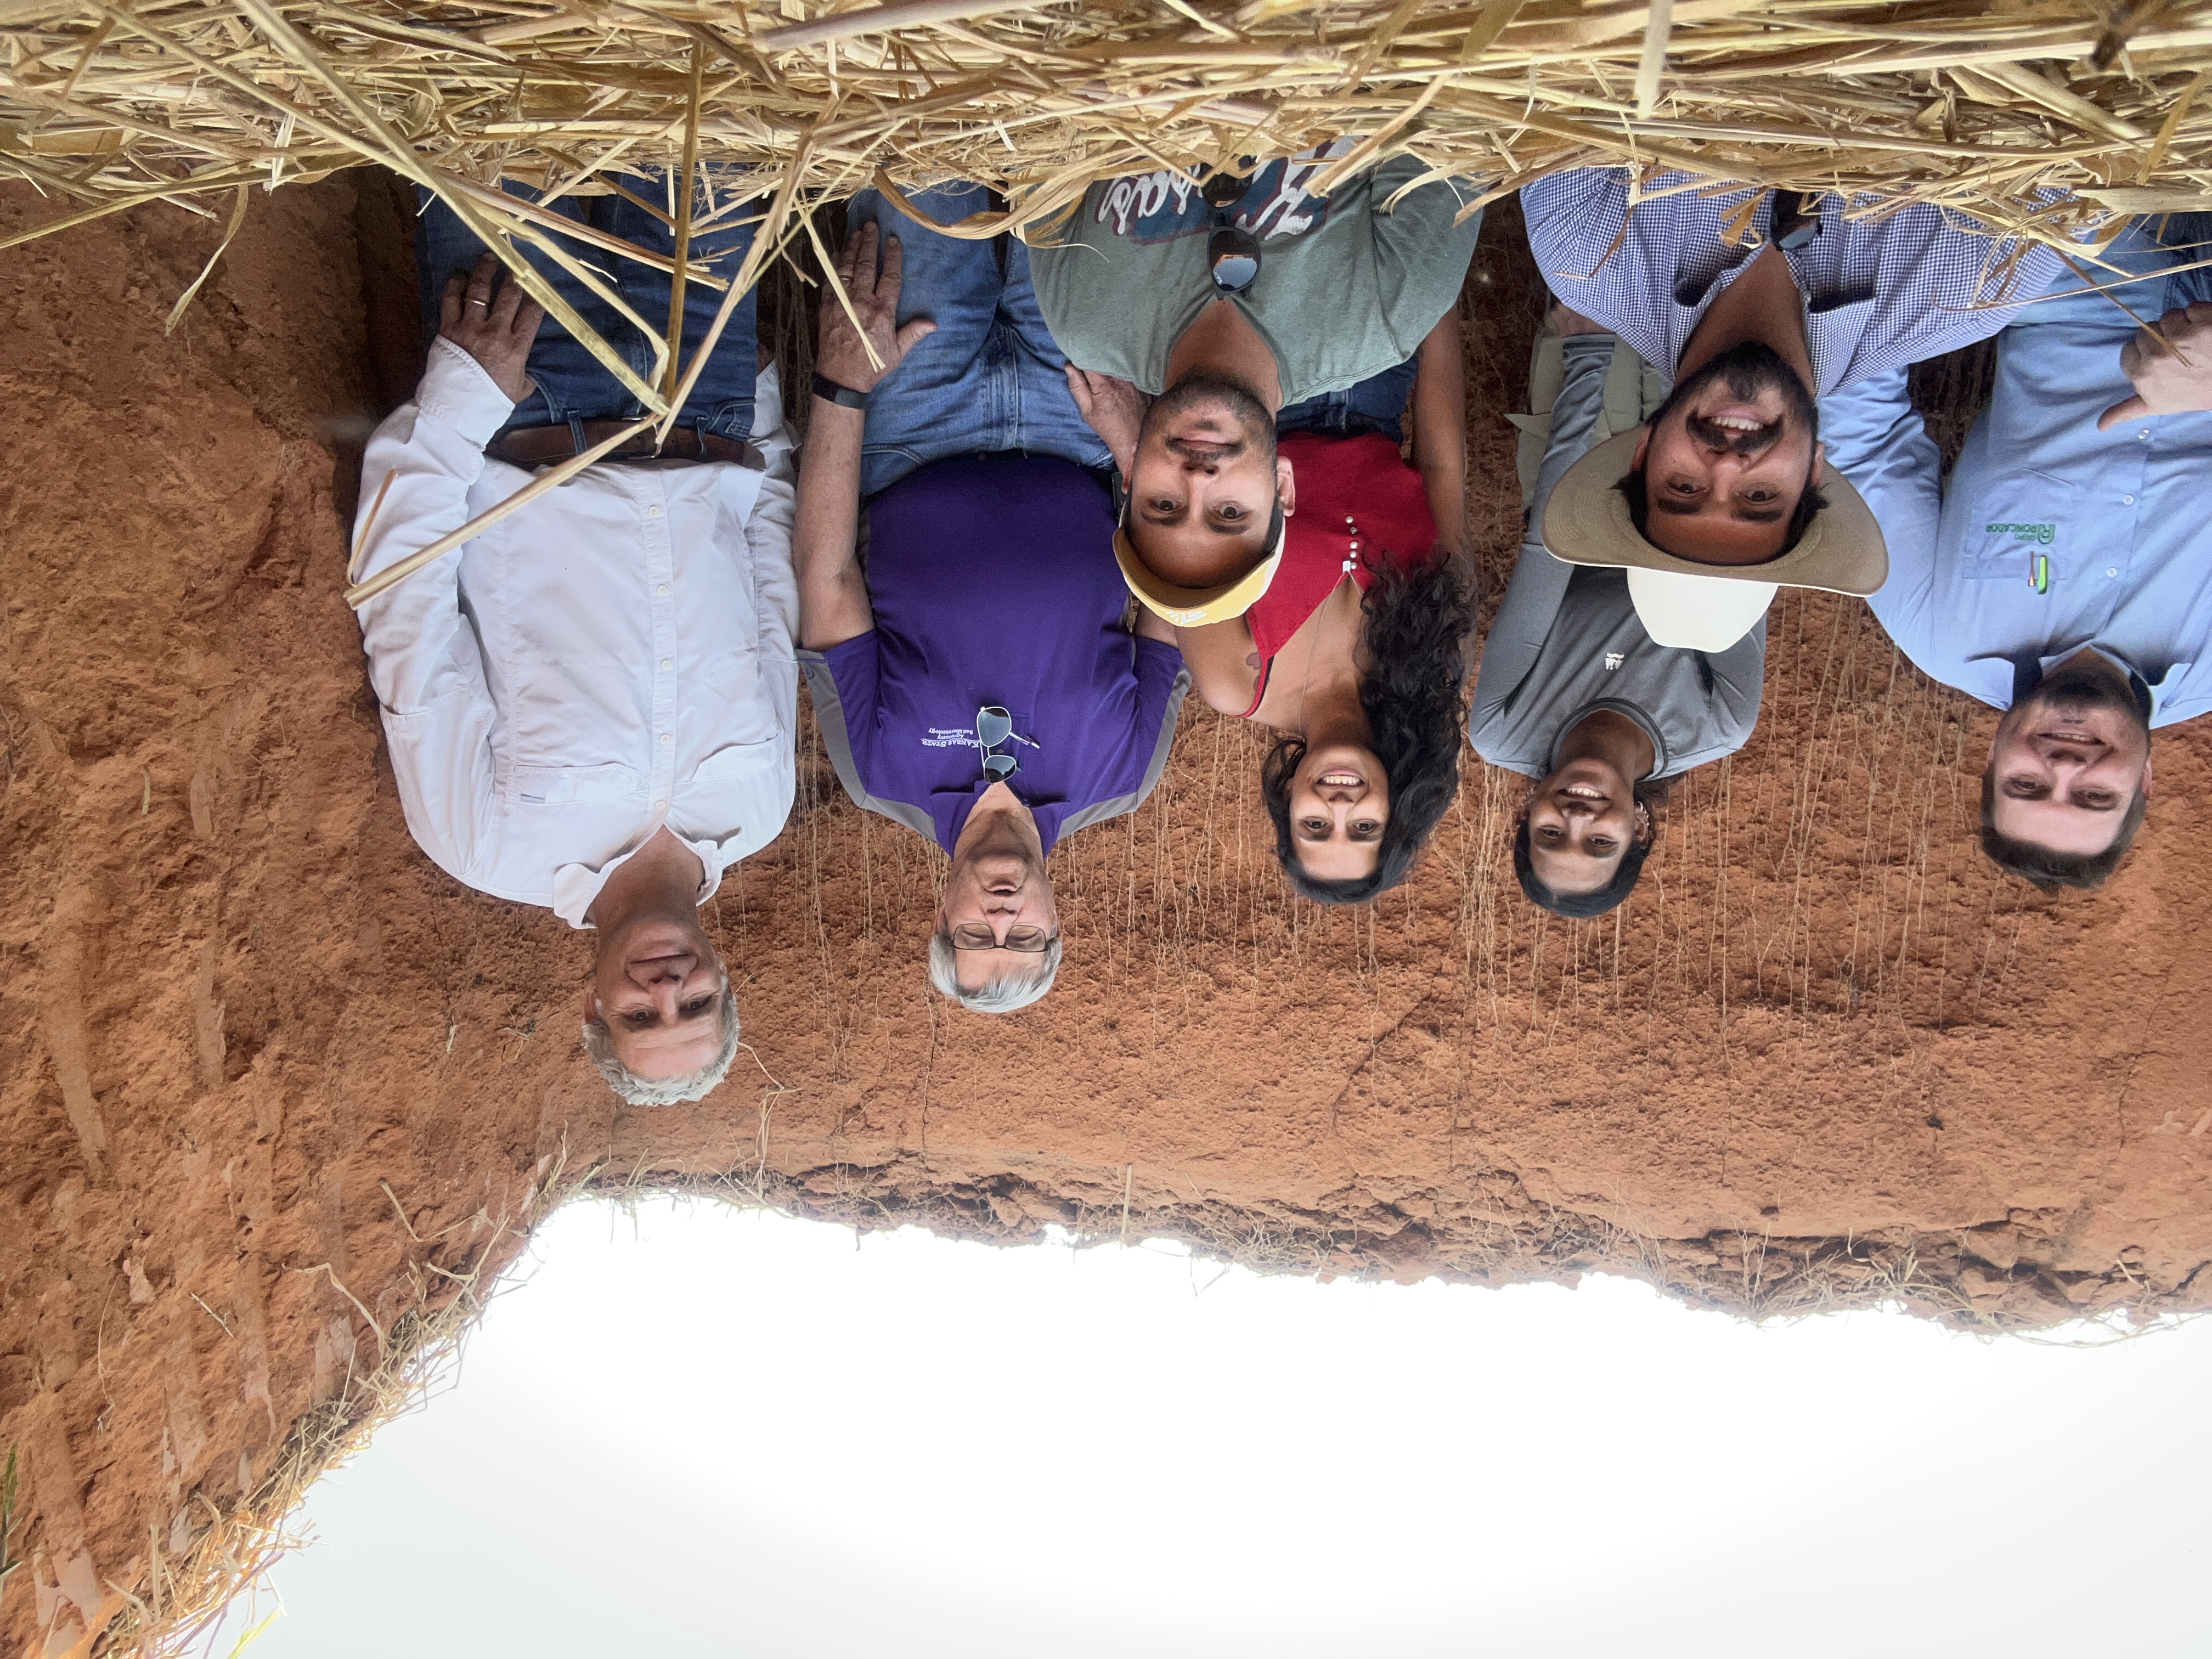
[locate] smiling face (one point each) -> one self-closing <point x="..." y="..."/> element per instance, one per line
<point x="1205" y="483"/>
<point x="1727" y="459"/>
<point x="657" y="985"/>
<point x="2066" y="762"/>
<point x="999" y="890"/>
<point x="1582" y="820"/>
<point x="1339" y="806"/>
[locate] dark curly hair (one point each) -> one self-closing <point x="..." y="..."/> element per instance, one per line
<point x="1414" y="696"/>
<point x="1615" y="892"/>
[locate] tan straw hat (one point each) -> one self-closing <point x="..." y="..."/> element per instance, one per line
<point x="1706" y="607"/>
<point x="1194" y="607"/>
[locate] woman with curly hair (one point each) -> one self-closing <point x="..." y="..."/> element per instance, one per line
<point x="1355" y="653"/>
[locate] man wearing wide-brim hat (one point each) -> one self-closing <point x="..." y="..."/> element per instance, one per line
<point x="1755" y="303"/>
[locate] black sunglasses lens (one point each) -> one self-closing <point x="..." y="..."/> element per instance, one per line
<point x="997" y="767"/>
<point x="1233" y="272"/>
<point x="993" y="725"/>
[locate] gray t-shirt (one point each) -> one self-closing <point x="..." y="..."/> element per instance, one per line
<point x="1345" y="290"/>
<point x="1595" y="654"/>
<point x="1568" y="642"/>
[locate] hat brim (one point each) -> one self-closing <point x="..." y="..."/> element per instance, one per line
<point x="1587" y="522"/>
<point x="1194" y="607"/>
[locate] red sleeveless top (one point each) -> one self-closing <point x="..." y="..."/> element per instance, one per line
<point x="1360" y="506"/>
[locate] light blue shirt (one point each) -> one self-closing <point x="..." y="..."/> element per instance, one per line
<point x="2121" y="520"/>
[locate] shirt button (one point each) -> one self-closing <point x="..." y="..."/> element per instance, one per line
<point x="663" y="588"/>
<point x="668" y="662"/>
<point x="652" y="511"/>
<point x="2112" y="570"/>
<point x="2143" y="436"/>
<point x="660" y="806"/>
<point x="2127" y="500"/>
<point x="668" y="737"/>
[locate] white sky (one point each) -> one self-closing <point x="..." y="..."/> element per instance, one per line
<point x="707" y="1431"/>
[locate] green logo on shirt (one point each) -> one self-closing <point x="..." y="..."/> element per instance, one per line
<point x="2041" y="534"/>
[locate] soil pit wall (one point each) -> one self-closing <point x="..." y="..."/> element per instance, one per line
<point x="273" y="1089"/>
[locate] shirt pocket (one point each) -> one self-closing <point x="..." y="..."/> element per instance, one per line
<point x="572" y="785"/>
<point x="2019" y="518"/>
<point x="740" y="760"/>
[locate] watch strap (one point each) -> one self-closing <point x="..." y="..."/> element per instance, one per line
<point x="843" y="395"/>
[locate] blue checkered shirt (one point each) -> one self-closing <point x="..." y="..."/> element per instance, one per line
<point x="1879" y="293"/>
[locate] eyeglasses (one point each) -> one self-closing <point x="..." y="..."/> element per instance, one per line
<point x="974" y="936"/>
<point x="1232" y="252"/>
<point x="994" y="726"/>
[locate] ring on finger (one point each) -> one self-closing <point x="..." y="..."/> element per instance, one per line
<point x="486" y="304"/>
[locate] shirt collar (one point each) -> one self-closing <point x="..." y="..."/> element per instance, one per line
<point x="2028" y="669"/>
<point x="1626" y="711"/>
<point x="576" y="886"/>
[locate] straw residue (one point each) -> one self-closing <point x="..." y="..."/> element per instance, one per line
<point x="106" y="104"/>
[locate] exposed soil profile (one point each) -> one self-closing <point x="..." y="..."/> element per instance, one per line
<point x="272" y="1088"/>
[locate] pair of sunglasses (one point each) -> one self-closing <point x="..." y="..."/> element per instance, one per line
<point x="1795" y="220"/>
<point x="1233" y="253"/>
<point x="994" y="726"/>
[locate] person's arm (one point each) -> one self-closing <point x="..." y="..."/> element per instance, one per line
<point x="768" y="532"/>
<point x="1539" y="586"/>
<point x="1219" y="657"/>
<point x="424" y="662"/>
<point x="1151" y="625"/>
<point x="1440" y="430"/>
<point x="833" y="592"/>
<point x="1113" y="409"/>
<point x="1875" y="438"/>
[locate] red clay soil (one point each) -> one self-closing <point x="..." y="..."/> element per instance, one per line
<point x="263" y="1067"/>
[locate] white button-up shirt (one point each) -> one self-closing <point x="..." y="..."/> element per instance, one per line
<point x="614" y="656"/>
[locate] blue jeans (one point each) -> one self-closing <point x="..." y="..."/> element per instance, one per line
<point x="572" y="384"/>
<point x="991" y="378"/>
<point x="1376" y="404"/>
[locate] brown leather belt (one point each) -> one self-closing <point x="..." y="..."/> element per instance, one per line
<point x="537" y="445"/>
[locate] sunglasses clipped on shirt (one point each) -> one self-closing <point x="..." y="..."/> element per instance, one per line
<point x="994" y="726"/>
<point x="1232" y="252"/>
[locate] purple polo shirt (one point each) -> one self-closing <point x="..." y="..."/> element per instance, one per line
<point x="992" y="582"/>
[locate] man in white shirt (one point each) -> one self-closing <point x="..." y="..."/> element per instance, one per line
<point x="590" y="707"/>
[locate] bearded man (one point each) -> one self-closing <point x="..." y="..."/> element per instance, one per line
<point x="1224" y="299"/>
<point x="1753" y="304"/>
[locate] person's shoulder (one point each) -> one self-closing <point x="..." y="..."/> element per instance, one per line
<point x="1574" y="217"/>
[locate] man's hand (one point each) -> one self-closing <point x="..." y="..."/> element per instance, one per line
<point x="2173" y="375"/>
<point x="495" y="329"/>
<point x="1113" y="409"/>
<point x="840" y="355"/>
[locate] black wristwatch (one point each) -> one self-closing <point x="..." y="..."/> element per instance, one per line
<point x="843" y="395"/>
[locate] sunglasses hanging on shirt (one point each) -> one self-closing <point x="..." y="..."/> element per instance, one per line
<point x="1232" y="252"/>
<point x="1795" y="220"/>
<point x="994" y="726"/>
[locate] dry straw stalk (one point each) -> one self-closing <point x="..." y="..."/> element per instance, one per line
<point x="1981" y="108"/>
<point x="502" y="109"/>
